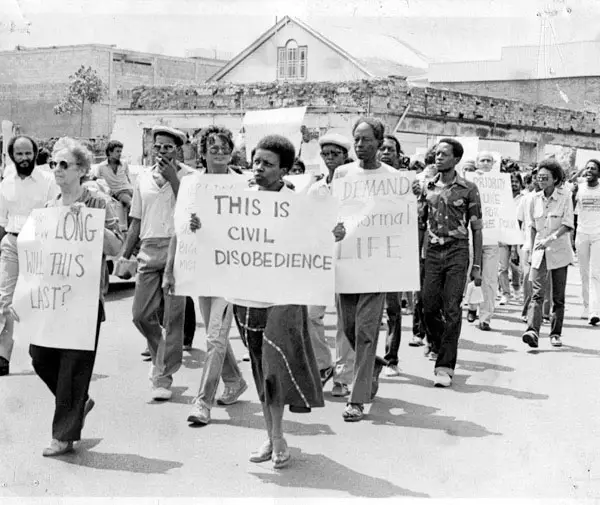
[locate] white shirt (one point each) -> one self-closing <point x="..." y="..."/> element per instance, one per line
<point x="354" y="168"/>
<point x="18" y="197"/>
<point x="588" y="209"/>
<point x="154" y="205"/>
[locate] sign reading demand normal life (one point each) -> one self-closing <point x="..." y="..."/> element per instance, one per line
<point x="274" y="247"/>
<point x="380" y="250"/>
<point x="57" y="292"/>
<point x="498" y="208"/>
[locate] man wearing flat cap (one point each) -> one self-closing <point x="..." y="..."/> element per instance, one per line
<point x="152" y="210"/>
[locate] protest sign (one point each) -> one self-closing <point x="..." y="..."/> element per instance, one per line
<point x="498" y="208"/>
<point x="260" y="123"/>
<point x="380" y="250"/>
<point x="275" y="247"/>
<point x="58" y="289"/>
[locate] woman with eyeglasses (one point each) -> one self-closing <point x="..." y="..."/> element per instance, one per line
<point x="551" y="217"/>
<point x="68" y="372"/>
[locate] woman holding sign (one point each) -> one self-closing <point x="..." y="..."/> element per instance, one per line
<point x="283" y="362"/>
<point x="68" y="372"/>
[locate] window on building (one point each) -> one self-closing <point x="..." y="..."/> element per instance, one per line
<point x="291" y="61"/>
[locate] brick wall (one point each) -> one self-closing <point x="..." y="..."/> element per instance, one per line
<point x="583" y="92"/>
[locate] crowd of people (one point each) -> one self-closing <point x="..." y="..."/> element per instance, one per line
<point x="290" y="358"/>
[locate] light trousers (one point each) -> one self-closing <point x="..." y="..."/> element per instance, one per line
<point x="489" y="282"/>
<point x="9" y="272"/>
<point x="588" y="252"/>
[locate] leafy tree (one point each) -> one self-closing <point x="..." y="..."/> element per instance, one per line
<point x="85" y="86"/>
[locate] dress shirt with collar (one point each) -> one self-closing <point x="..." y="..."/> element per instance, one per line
<point x="154" y="204"/>
<point x="547" y="215"/>
<point x="19" y="196"/>
<point x="117" y="181"/>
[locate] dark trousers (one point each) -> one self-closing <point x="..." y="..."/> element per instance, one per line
<point x="541" y="279"/>
<point x="189" y="321"/>
<point x="418" y="328"/>
<point x="394" y="313"/>
<point x="547" y="305"/>
<point x="67" y="373"/>
<point x="444" y="282"/>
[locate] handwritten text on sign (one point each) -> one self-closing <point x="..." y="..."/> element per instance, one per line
<point x="380" y="251"/>
<point x="256" y="245"/>
<point x="498" y="208"/>
<point x="57" y="291"/>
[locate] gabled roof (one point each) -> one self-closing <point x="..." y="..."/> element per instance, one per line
<point x="372" y="61"/>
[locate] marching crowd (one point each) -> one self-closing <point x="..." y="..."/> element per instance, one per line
<point x="290" y="359"/>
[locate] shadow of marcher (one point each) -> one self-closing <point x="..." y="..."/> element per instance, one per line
<point x="133" y="463"/>
<point x="469" y="345"/>
<point x="194" y="358"/>
<point x="481" y="366"/>
<point x="316" y="471"/>
<point x="424" y="417"/>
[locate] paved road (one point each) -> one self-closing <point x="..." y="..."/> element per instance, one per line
<point x="515" y="424"/>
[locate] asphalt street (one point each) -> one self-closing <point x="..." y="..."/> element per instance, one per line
<point x="516" y="423"/>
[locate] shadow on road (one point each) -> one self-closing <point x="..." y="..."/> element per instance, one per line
<point x="194" y="358"/>
<point x="422" y="416"/>
<point x="481" y="366"/>
<point x="316" y="471"/>
<point x="133" y="463"/>
<point x="469" y="345"/>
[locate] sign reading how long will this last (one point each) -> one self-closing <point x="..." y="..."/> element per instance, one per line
<point x="57" y="291"/>
<point x="274" y="247"/>
<point x="380" y="250"/>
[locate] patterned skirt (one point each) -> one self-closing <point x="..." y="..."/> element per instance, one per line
<point x="283" y="362"/>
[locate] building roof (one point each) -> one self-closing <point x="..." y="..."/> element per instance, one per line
<point x="375" y="54"/>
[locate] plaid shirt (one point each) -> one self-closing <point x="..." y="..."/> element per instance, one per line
<point x="449" y="209"/>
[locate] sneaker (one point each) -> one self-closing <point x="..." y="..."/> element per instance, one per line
<point x="353" y="412"/>
<point x="57" y="448"/>
<point x="326" y="374"/>
<point x="200" y="413"/>
<point x="433" y="356"/>
<point x="416" y="341"/>
<point x="442" y="380"/>
<point x="391" y="371"/>
<point x="555" y="341"/>
<point x="594" y="320"/>
<point x="483" y="326"/>
<point x="161" y="394"/>
<point x="340" y="390"/>
<point x="232" y="394"/>
<point x="530" y="338"/>
<point x="471" y="316"/>
<point x="503" y="300"/>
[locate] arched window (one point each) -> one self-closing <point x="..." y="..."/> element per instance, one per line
<point x="291" y="61"/>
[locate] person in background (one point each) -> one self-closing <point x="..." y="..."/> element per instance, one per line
<point x="453" y="204"/>
<point x="334" y="152"/>
<point x="68" y="372"/>
<point x="551" y="215"/>
<point x="588" y="240"/>
<point x="23" y="190"/>
<point x="42" y="159"/>
<point x="116" y="174"/>
<point x="299" y="168"/>
<point x="469" y="166"/>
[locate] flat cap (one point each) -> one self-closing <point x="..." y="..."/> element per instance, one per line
<point x="335" y="139"/>
<point x="178" y="135"/>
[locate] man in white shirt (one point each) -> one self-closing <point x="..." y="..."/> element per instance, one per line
<point x="25" y="189"/>
<point x="588" y="240"/>
<point x="151" y="216"/>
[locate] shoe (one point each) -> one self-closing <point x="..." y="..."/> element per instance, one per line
<point x="442" y="380"/>
<point x="376" y="373"/>
<point x="326" y="374"/>
<point x="340" y="390"/>
<point x="483" y="326"/>
<point x="200" y="413"/>
<point x="282" y="458"/>
<point x="433" y="356"/>
<point x="471" y="316"/>
<point x="584" y="314"/>
<point x="594" y="320"/>
<point x="57" y="448"/>
<point x="530" y="338"/>
<point x="555" y="341"/>
<point x="416" y="341"/>
<point x="503" y="300"/>
<point x="89" y="405"/>
<point x="4" y="366"/>
<point x="232" y="394"/>
<point x="161" y="394"/>
<point x="263" y="454"/>
<point x="391" y="371"/>
<point x="353" y="412"/>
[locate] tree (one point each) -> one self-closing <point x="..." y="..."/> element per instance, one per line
<point x="85" y="86"/>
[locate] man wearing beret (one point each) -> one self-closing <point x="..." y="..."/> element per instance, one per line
<point x="152" y="210"/>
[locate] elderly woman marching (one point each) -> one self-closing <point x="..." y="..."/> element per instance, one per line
<point x="283" y="362"/>
<point x="68" y="372"/>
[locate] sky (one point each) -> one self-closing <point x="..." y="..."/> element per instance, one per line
<point x="444" y="30"/>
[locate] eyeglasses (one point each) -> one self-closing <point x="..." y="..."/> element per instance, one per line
<point x="219" y="149"/>
<point x="167" y="147"/>
<point x="62" y="164"/>
<point x="327" y="154"/>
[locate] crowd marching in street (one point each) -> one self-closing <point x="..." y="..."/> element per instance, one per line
<point x="291" y="361"/>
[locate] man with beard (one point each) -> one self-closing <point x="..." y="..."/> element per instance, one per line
<point x="25" y="189"/>
<point x="453" y="204"/>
